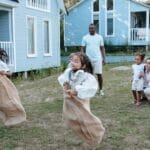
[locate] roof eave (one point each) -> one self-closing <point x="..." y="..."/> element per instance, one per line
<point x="9" y="3"/>
<point x="140" y="3"/>
<point x="61" y="6"/>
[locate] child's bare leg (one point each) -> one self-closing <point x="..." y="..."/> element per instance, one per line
<point x="139" y="94"/>
<point x="134" y="96"/>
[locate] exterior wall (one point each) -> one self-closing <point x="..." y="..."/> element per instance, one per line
<point x="23" y="62"/>
<point x="76" y="23"/>
<point x="4" y="26"/>
<point x="78" y="19"/>
<point x="121" y="23"/>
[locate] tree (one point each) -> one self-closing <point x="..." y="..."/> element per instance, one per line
<point x="70" y="3"/>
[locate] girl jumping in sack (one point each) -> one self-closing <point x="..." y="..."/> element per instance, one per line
<point x="79" y="87"/>
<point x="11" y="109"/>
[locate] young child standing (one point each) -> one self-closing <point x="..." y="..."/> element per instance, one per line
<point x="79" y="86"/>
<point x="11" y="109"/>
<point x="137" y="79"/>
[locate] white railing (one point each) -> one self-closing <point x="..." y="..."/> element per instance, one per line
<point x="9" y="48"/>
<point x="38" y="4"/>
<point x="138" y="34"/>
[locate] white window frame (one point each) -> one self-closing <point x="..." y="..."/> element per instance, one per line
<point x="35" y="35"/>
<point x="50" y="38"/>
<point x="40" y="9"/>
<point x="107" y="12"/>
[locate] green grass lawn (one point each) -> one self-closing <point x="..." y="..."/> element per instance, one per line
<point x="127" y="127"/>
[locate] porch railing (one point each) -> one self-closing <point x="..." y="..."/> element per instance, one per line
<point x="138" y="34"/>
<point x="38" y="4"/>
<point x="9" y="48"/>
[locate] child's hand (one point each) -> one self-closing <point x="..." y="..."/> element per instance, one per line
<point x="66" y="86"/>
<point x="71" y="92"/>
<point x="2" y="73"/>
<point x="141" y="75"/>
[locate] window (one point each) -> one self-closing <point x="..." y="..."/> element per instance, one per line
<point x="109" y="26"/>
<point x="46" y="38"/>
<point x="39" y="4"/>
<point x="31" y="36"/>
<point x="96" y="22"/>
<point x="110" y="5"/>
<point x="96" y="14"/>
<point x="110" y="18"/>
<point x="96" y="5"/>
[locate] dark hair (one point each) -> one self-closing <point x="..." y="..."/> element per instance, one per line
<point x="91" y="24"/>
<point x="3" y="55"/>
<point x="85" y="62"/>
<point x="142" y="56"/>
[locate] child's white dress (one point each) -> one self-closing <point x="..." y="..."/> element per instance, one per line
<point x="11" y="109"/>
<point x="76" y="110"/>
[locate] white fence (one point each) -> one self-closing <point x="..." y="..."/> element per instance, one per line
<point x="9" y="48"/>
<point x="138" y="34"/>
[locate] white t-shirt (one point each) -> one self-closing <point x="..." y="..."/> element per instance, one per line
<point x="137" y="70"/>
<point x="92" y="44"/>
<point x="3" y="66"/>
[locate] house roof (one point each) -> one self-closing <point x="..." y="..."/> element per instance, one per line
<point x="145" y="4"/>
<point x="15" y="0"/>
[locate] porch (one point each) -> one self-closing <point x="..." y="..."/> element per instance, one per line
<point x="6" y="34"/>
<point x="9" y="48"/>
<point x="140" y="28"/>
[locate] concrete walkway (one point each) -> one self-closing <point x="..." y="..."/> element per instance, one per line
<point x="109" y="59"/>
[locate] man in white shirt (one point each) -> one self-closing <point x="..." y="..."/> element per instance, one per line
<point x="93" y="46"/>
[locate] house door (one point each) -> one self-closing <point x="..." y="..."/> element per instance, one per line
<point x="6" y="34"/>
<point x="5" y="26"/>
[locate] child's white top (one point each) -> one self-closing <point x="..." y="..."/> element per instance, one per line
<point x="3" y="66"/>
<point x="82" y="82"/>
<point x="137" y="70"/>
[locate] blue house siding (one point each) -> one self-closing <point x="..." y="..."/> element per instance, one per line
<point x="4" y="26"/>
<point x="121" y="24"/>
<point x="23" y="62"/>
<point x="76" y="26"/>
<point x="76" y="23"/>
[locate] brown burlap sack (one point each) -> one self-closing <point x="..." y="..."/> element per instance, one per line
<point x="78" y="117"/>
<point x="12" y="111"/>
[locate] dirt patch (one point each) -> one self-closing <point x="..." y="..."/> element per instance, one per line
<point x="121" y="68"/>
